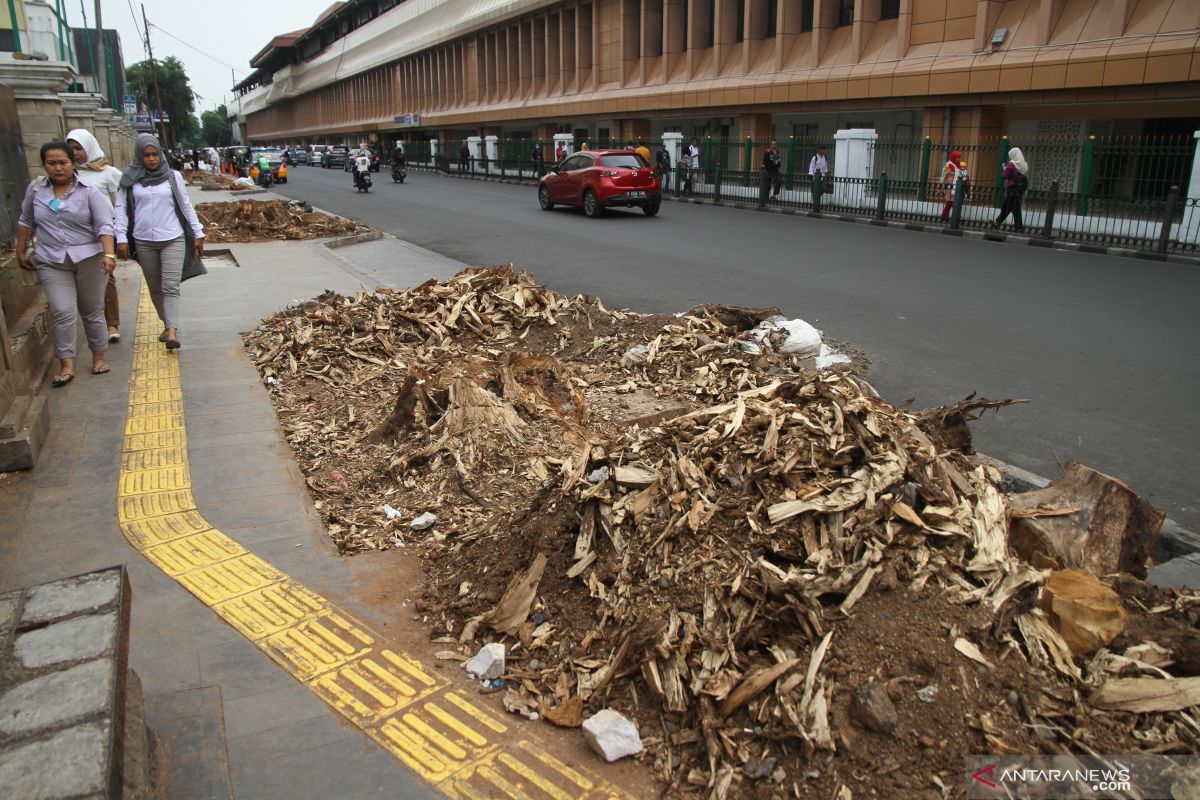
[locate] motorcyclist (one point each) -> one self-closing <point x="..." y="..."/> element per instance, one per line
<point x="264" y="169"/>
<point x="362" y="167"/>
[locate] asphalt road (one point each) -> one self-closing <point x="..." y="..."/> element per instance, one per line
<point x="1104" y="347"/>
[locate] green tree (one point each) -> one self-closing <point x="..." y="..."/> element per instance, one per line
<point x="178" y="99"/>
<point x="214" y="128"/>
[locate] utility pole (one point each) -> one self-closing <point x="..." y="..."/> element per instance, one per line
<point x="162" y="126"/>
<point x="101" y="64"/>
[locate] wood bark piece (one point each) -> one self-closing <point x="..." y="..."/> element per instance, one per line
<point x="1113" y="531"/>
<point x="634" y="476"/>
<point x="752" y="684"/>
<point x="513" y="607"/>
<point x="568" y="714"/>
<point x="1146" y="695"/>
<point x="1083" y="610"/>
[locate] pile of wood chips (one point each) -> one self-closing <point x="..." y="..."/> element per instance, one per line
<point x="268" y="220"/>
<point x="794" y="587"/>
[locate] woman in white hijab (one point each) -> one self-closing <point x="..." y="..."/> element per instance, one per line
<point x="1016" y="181"/>
<point x="92" y="169"/>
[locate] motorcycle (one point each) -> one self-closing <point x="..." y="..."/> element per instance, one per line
<point x="265" y="178"/>
<point x="362" y="180"/>
<point x="399" y="173"/>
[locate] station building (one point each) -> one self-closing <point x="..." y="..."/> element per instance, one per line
<point x="956" y="71"/>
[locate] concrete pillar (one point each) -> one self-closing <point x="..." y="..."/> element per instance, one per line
<point x="674" y="142"/>
<point x="489" y="144"/>
<point x="433" y="148"/>
<point x="474" y="144"/>
<point x="1189" y="229"/>
<point x="567" y="140"/>
<point x="101" y="128"/>
<point x="35" y="86"/>
<point x="79" y="110"/>
<point x="852" y="150"/>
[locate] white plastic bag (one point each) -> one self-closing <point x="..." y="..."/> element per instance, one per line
<point x="791" y="336"/>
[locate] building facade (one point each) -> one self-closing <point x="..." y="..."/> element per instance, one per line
<point x="628" y="69"/>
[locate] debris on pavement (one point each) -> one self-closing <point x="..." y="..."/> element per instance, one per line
<point x="488" y="663"/>
<point x="266" y="220"/>
<point x="736" y="551"/>
<point x="1086" y="519"/>
<point x="611" y="735"/>
<point x="1086" y="613"/>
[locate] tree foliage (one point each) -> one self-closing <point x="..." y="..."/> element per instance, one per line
<point x="178" y="99"/>
<point x="214" y="128"/>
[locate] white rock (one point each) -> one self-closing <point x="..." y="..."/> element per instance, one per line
<point x="488" y="663"/>
<point x="422" y="522"/>
<point x="612" y="735"/>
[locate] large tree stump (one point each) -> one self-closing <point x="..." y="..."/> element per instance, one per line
<point x="1112" y="529"/>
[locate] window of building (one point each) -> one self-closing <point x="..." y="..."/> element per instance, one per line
<point x="889" y="9"/>
<point x="387" y="5"/>
<point x="845" y="13"/>
<point x="364" y="15"/>
<point x="806" y="15"/>
<point x="772" y="15"/>
<point x="740" y="34"/>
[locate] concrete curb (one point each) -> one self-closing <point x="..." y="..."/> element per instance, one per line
<point x="989" y="235"/>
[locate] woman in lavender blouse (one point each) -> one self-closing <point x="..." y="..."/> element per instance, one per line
<point x="152" y="211"/>
<point x="73" y="255"/>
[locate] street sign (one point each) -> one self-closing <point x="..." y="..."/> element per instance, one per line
<point x="408" y="120"/>
<point x="129" y="102"/>
<point x="143" y="122"/>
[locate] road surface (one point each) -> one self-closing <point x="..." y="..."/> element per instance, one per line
<point x="1105" y="347"/>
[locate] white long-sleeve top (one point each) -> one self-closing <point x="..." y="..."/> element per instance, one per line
<point x="154" y="217"/>
<point x="107" y="180"/>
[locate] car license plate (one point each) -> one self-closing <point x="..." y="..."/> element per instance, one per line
<point x="635" y="194"/>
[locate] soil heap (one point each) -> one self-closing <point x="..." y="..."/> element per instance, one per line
<point x="269" y="220"/>
<point x="794" y="587"/>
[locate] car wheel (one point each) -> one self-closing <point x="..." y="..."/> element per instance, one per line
<point x="544" y="198"/>
<point x="650" y="209"/>
<point x="591" y="206"/>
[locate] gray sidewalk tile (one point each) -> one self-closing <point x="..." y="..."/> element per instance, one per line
<point x="241" y="670"/>
<point x="190" y="742"/>
<point x="364" y="771"/>
<point x="271" y="709"/>
<point x="292" y="739"/>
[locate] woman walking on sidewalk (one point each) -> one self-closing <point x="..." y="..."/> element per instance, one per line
<point x="73" y="256"/>
<point x="155" y="214"/>
<point x="93" y="169"/>
<point x="1016" y="181"/>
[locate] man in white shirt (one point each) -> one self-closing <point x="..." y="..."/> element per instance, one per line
<point x="693" y="164"/>
<point x="362" y="164"/>
<point x="819" y="166"/>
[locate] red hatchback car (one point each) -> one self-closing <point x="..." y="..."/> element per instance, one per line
<point x="598" y="179"/>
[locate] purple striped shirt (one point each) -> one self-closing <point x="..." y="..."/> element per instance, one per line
<point x="73" y="231"/>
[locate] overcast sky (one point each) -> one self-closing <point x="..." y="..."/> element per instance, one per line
<point x="209" y="37"/>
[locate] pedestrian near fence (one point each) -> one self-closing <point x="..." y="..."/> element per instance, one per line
<point x="950" y="173"/>
<point x="1016" y="181"/>
<point x="693" y="164"/>
<point x="93" y="169"/>
<point x="662" y="160"/>
<point x="818" y="170"/>
<point x="152" y="211"/>
<point x="73" y="255"/>
<point x="769" y="179"/>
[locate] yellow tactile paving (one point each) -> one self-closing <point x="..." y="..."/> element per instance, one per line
<point x="461" y="748"/>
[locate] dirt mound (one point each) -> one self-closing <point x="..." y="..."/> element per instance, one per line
<point x="794" y="587"/>
<point x="267" y="220"/>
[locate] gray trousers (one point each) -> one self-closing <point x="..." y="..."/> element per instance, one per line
<point x="162" y="266"/>
<point x="72" y="286"/>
